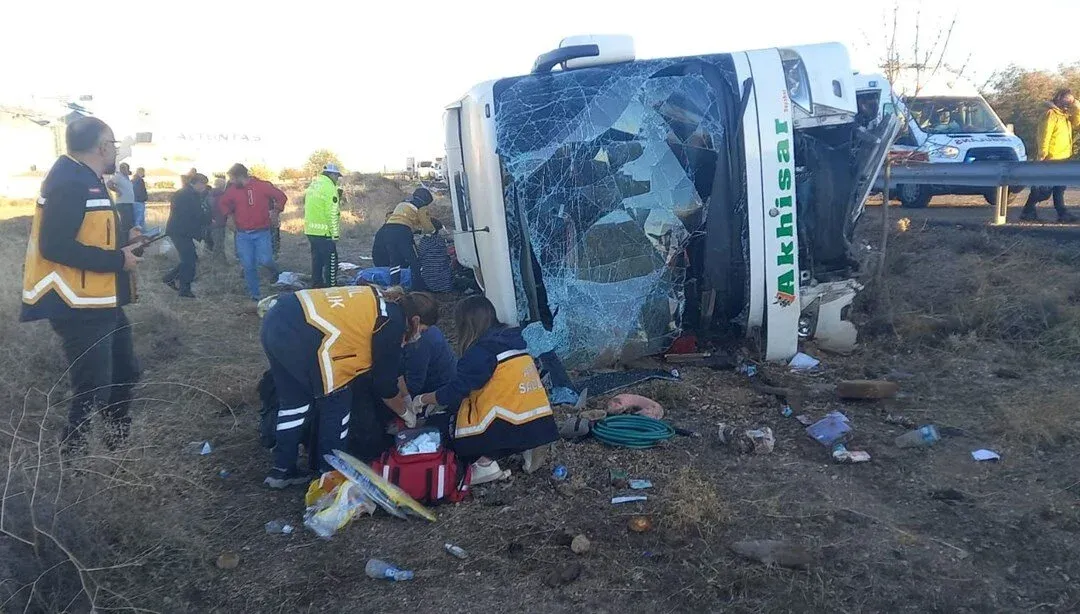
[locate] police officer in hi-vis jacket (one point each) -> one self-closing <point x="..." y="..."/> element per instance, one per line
<point x="335" y="356"/>
<point x="77" y="276"/>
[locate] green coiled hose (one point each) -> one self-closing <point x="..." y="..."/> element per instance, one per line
<point x="632" y="431"/>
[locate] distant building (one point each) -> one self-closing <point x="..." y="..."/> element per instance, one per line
<point x="32" y="138"/>
<point x="32" y="134"/>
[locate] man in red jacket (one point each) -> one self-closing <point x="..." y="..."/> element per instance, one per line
<point x="254" y="205"/>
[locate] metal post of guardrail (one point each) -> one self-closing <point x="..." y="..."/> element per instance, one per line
<point x="1001" y="205"/>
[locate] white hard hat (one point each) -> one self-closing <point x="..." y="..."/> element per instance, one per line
<point x="331" y="168"/>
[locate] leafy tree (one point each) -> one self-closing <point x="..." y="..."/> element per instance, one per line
<point x="318" y="160"/>
<point x="1019" y="97"/>
<point x="262" y="171"/>
<point x="291" y="174"/>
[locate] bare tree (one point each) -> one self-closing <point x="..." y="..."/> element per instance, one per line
<point x="912" y="47"/>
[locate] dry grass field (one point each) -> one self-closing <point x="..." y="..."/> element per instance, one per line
<point x="981" y="331"/>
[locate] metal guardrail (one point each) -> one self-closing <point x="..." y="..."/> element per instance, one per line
<point x="998" y="175"/>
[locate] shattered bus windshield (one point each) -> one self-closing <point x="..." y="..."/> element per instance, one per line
<point x="608" y="176"/>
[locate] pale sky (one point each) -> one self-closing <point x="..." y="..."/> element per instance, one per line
<point x="369" y="79"/>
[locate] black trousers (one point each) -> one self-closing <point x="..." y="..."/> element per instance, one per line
<point x="394" y="247"/>
<point x="185" y="271"/>
<point x="324" y="262"/>
<point x="103" y="370"/>
<point x="351" y="418"/>
<point x="1041" y="193"/>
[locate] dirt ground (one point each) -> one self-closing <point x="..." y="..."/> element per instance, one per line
<point x="980" y="330"/>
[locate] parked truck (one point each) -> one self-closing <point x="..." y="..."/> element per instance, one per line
<point x="608" y="204"/>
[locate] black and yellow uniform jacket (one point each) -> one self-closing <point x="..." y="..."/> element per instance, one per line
<point x="73" y="258"/>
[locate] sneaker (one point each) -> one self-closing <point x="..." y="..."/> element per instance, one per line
<point x="280" y="479"/>
<point x="535" y="458"/>
<point x="491" y="472"/>
<point x="1067" y="218"/>
<point x="186" y="293"/>
<point x="172" y="283"/>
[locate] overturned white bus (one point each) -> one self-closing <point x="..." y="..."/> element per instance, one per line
<point x="608" y="204"/>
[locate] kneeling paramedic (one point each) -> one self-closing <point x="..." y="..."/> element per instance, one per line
<point x="501" y="405"/>
<point x="334" y="352"/>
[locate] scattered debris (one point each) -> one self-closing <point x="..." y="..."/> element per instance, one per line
<point x="640" y="484"/>
<point x="559" y="472"/>
<point x="593" y="415"/>
<point x="347" y="267"/>
<point x="922" y="437"/>
<point x="381" y="570"/>
<point x="228" y="560"/>
<point x="580" y="545"/>
<point x="628" y="499"/>
<point x="224" y="473"/>
<point x="1005" y="373"/>
<point x="786" y="411"/>
<point x="830" y="430"/>
<point x="289" y="280"/>
<point x="337" y="508"/>
<point x="575" y="428"/>
<point x="278" y="527"/>
<point x="985" y="455"/>
<point x="201" y="448"/>
<point x="903" y="224"/>
<point x="803" y="362"/>
<point x="747" y="369"/>
<point x="563" y="575"/>
<point x="605" y="383"/>
<point x="455" y="551"/>
<point x="903" y="421"/>
<point x="618" y="478"/>
<point x="804" y="419"/>
<point x="639" y="524"/>
<point x="773" y="552"/>
<point x="757" y="441"/>
<point x="867" y="389"/>
<point x="634" y="403"/>
<point x="841" y="454"/>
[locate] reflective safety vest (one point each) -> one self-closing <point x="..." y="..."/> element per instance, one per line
<point x="514" y="394"/>
<point x="78" y="288"/>
<point x="322" y="209"/>
<point x="347" y="317"/>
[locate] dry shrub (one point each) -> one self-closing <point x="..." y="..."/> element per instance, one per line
<point x="948" y="285"/>
<point x="1043" y="417"/>
<point x="691" y="501"/>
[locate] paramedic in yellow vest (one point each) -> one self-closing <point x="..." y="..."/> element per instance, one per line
<point x="335" y="353"/>
<point x="393" y="246"/>
<point x="322" y="225"/>
<point x="497" y="402"/>
<point x="1055" y="142"/>
<point x="77" y="276"/>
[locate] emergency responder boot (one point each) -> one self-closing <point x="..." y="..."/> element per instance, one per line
<point x="280" y="478"/>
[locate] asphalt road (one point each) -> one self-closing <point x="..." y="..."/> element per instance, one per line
<point x="973" y="212"/>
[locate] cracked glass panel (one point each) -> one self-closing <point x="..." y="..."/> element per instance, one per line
<point x="608" y="178"/>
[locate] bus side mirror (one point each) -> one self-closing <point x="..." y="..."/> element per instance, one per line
<point x="1010" y="129"/>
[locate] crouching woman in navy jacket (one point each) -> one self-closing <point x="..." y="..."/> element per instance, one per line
<point x="499" y="405"/>
<point x="335" y="353"/>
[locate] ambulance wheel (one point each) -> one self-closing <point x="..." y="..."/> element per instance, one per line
<point x="913" y="196"/>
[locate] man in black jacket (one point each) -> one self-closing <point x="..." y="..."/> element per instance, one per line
<point x="187" y="222"/>
<point x="77" y="276"/>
